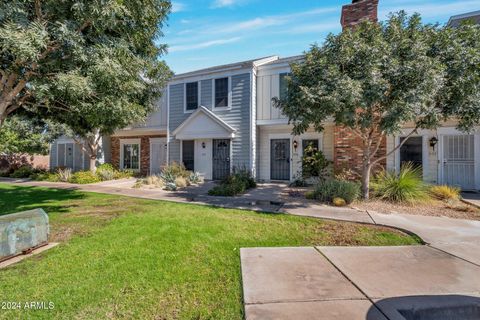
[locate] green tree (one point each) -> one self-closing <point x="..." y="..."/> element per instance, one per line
<point x="25" y="135"/>
<point x="379" y="76"/>
<point x="90" y="64"/>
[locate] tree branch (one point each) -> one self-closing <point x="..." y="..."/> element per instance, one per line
<point x="397" y="147"/>
<point x="38" y="10"/>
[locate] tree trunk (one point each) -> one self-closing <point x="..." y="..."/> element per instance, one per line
<point x="367" y="168"/>
<point x="93" y="164"/>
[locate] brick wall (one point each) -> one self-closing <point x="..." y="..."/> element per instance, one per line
<point x="359" y="11"/>
<point x="348" y="151"/>
<point x="348" y="147"/>
<point x="144" y="151"/>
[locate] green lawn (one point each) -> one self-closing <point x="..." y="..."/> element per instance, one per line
<point x="122" y="257"/>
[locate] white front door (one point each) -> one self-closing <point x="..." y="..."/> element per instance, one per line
<point x="203" y="157"/>
<point x="458" y="161"/>
<point x="158" y="154"/>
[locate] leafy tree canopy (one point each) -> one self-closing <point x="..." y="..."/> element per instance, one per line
<point x="377" y="77"/>
<point x="90" y="64"/>
<point x="25" y="135"/>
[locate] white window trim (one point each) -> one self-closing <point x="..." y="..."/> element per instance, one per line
<point x="199" y="84"/>
<point x="229" y="99"/>
<point x="131" y="141"/>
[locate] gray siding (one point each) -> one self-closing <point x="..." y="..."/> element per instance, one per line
<point x="206" y="93"/>
<point x="53" y="155"/>
<point x="239" y="116"/>
<point x="81" y="161"/>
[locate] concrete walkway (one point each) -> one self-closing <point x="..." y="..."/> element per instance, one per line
<point x="340" y="282"/>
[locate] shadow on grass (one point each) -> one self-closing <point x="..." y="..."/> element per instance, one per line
<point x="20" y="198"/>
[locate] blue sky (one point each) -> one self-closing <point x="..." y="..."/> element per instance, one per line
<point x="205" y="33"/>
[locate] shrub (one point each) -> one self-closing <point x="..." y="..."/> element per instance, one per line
<point x="314" y="163"/>
<point x="124" y="174"/>
<point x="298" y="183"/>
<point x="84" y="177"/>
<point x="406" y="186"/>
<point x="106" y="172"/>
<point x="339" y="202"/>
<point x="168" y="177"/>
<point x="445" y="192"/>
<point x="64" y="175"/>
<point x="23" y="172"/>
<point x="177" y="170"/>
<point x="181" y="182"/>
<point x="236" y="183"/>
<point x="170" y="186"/>
<point x="153" y="180"/>
<point x="46" y="176"/>
<point x="195" y="178"/>
<point x="327" y="190"/>
<point x="310" y="195"/>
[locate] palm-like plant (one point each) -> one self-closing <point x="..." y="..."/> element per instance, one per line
<point x="405" y="186"/>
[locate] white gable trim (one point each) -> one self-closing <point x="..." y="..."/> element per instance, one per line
<point x="226" y="131"/>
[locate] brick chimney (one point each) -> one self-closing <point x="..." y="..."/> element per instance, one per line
<point x="358" y="11"/>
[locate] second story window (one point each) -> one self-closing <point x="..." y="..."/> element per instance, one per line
<point x="283" y="85"/>
<point x="221" y="93"/>
<point x="191" y="96"/>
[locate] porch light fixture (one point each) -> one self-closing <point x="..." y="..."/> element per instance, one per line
<point x="295" y="145"/>
<point x="433" y="142"/>
<point x="203" y="145"/>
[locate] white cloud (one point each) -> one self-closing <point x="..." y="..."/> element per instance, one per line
<point x="256" y="23"/>
<point x="177" y="7"/>
<point x="314" y="27"/>
<point x="223" y="3"/>
<point x="202" y="45"/>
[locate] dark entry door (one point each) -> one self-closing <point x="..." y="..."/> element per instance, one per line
<point x="412" y="151"/>
<point x="221" y="158"/>
<point x="280" y="159"/>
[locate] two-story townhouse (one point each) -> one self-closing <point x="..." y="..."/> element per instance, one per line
<point x="211" y="118"/>
<point x="222" y="117"/>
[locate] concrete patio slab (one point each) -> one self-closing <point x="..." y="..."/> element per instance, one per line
<point x="466" y="251"/>
<point x="430" y="307"/>
<point x="314" y="310"/>
<point x="382" y="272"/>
<point x="291" y="274"/>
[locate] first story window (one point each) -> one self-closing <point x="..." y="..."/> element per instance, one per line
<point x="131" y="156"/>
<point x="221" y="93"/>
<point x="188" y="152"/>
<point x="191" y="99"/>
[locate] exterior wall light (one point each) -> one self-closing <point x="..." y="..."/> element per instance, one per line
<point x="433" y="142"/>
<point x="203" y="145"/>
<point x="295" y="145"/>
